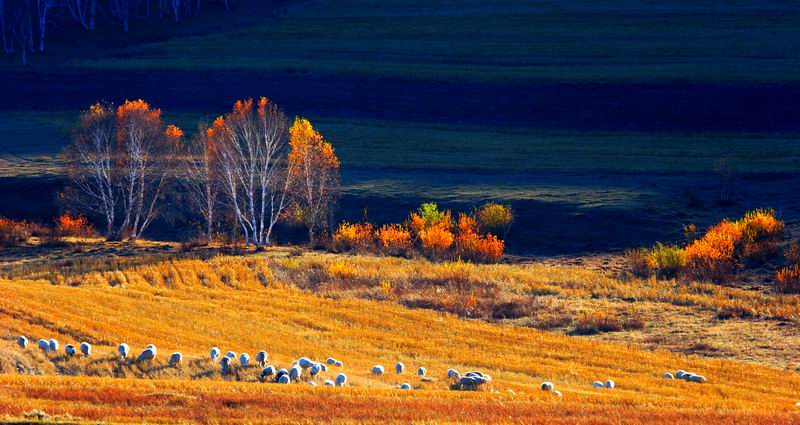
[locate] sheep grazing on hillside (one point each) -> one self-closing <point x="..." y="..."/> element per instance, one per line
<point x="668" y="376"/>
<point x="547" y="386"/>
<point x="70" y="350"/>
<point x="295" y="372"/>
<point x="53" y="345"/>
<point x="284" y="379"/>
<point x="330" y="361"/>
<point x="267" y="372"/>
<point x="471" y="380"/>
<point x="152" y="348"/>
<point x="44" y="345"/>
<point x="341" y="380"/>
<point x="329" y="383"/>
<point x="598" y="384"/>
<point x="399" y="367"/>
<point x="610" y="384"/>
<point x="231" y="355"/>
<point x="315" y="369"/>
<point x="214" y="354"/>
<point x="86" y="349"/>
<point x="422" y="371"/>
<point x="305" y="363"/>
<point x="280" y="373"/>
<point x="175" y="358"/>
<point x="148" y="354"/>
<point x="312" y="383"/>
<point x="679" y="374"/>
<point x="698" y="378"/>
<point x="262" y="358"/>
<point x="22" y="342"/>
<point x="377" y="370"/>
<point x="453" y="374"/>
<point x="556" y="393"/>
<point x="338" y="364"/>
<point x="225" y="365"/>
<point x="244" y="359"/>
<point x="405" y="386"/>
<point x="123" y="350"/>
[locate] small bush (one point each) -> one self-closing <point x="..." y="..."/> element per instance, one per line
<point x="787" y="279"/>
<point x="668" y="260"/>
<point x="640" y="263"/>
<point x="13" y="232"/>
<point x="357" y="236"/>
<point x="713" y="257"/>
<point x="394" y="239"/>
<point x="436" y="240"/>
<point x="597" y="322"/>
<point x="429" y="215"/>
<point x="762" y="233"/>
<point x="495" y="218"/>
<point x="74" y="226"/>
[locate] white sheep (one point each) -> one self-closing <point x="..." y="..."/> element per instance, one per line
<point x="556" y="393"/>
<point x="341" y="380"/>
<point x="225" y="364"/>
<point x="152" y="348"/>
<point x="295" y="372"/>
<point x="598" y="384"/>
<point x="175" y="358"/>
<point x="377" y="370"/>
<point x="698" y="378"/>
<point x="70" y="350"/>
<point x="548" y="386"/>
<point x="231" y="355"/>
<point x="312" y="383"/>
<point x="421" y="371"/>
<point x="23" y="342"/>
<point x="668" y="376"/>
<point x="453" y="374"/>
<point x="214" y="354"/>
<point x="330" y="361"/>
<point x="329" y="383"/>
<point x="399" y="367"/>
<point x="53" y="345"/>
<point x="338" y="364"/>
<point x="405" y="386"/>
<point x="44" y="345"/>
<point x="86" y="349"/>
<point x="244" y="359"/>
<point x="148" y="354"/>
<point x="305" y="363"/>
<point x="123" y="350"/>
<point x="262" y="358"/>
<point x="267" y="371"/>
<point x="679" y="374"/>
<point x="610" y="384"/>
<point x="284" y="379"/>
<point x="315" y="369"/>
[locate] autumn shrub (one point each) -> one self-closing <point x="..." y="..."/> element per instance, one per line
<point x="600" y="321"/>
<point x="472" y="245"/>
<point x="14" y="232"/>
<point x="436" y="240"/>
<point x="787" y="278"/>
<point x="762" y="233"/>
<point x="668" y="260"/>
<point x="495" y="218"/>
<point x="358" y="236"/>
<point x="429" y="215"/>
<point x="394" y="239"/>
<point x="639" y="262"/>
<point x="74" y="226"/>
<point x="714" y="256"/>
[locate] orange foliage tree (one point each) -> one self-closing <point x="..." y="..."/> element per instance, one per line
<point x="395" y="239"/>
<point x="77" y="226"/>
<point x="315" y="180"/>
<point x="713" y="256"/>
<point x="357" y="236"/>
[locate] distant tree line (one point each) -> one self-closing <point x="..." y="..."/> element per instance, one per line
<point x="248" y="170"/>
<point x="24" y="23"/>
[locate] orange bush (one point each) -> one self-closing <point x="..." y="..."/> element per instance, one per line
<point x="357" y="236"/>
<point x="14" y="232"/>
<point x="762" y="233"/>
<point x="713" y="257"/>
<point x="787" y="279"/>
<point x="394" y="238"/>
<point x="436" y="240"/>
<point x="490" y="248"/>
<point x="494" y="217"/>
<point x="76" y="226"/>
<point x="471" y="245"/>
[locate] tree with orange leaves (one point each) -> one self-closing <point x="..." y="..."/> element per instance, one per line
<point x="250" y="144"/>
<point x="314" y="176"/>
<point x="119" y="161"/>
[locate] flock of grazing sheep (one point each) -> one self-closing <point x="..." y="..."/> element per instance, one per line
<point x="469" y="381"/>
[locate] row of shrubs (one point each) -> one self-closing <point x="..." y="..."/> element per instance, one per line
<point x="433" y="233"/>
<point x="716" y="255"/>
<point x="19" y="232"/>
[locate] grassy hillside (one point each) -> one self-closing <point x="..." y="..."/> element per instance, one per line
<point x="246" y="305"/>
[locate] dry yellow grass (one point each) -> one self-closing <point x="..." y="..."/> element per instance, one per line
<point x="248" y="304"/>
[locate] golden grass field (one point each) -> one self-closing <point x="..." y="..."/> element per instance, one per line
<point x="256" y="302"/>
